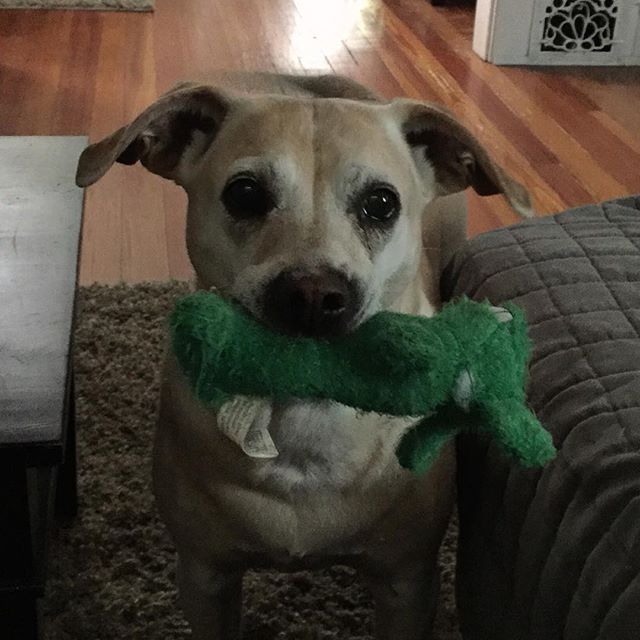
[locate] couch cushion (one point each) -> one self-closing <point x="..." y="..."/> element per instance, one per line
<point x="555" y="554"/>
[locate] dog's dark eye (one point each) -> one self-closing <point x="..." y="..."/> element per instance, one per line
<point x="245" y="197"/>
<point x="380" y="204"/>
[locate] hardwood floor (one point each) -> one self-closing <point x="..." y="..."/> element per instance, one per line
<point x="572" y="136"/>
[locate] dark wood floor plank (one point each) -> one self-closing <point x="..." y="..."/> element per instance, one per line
<point x="612" y="153"/>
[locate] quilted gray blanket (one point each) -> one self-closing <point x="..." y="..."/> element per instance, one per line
<point x="555" y="554"/>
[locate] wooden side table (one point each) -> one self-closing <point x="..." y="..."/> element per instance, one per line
<point x="40" y="222"/>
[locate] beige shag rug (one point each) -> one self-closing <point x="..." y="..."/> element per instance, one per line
<point x="98" y="5"/>
<point x="112" y="570"/>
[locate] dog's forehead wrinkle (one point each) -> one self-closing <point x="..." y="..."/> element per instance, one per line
<point x="270" y="126"/>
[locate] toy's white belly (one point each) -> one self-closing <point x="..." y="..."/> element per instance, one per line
<point x="324" y="444"/>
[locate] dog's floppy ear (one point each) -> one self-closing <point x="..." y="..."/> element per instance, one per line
<point x="459" y="160"/>
<point x="173" y="132"/>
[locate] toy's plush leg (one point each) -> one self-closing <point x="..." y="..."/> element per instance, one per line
<point x="518" y="432"/>
<point x="211" y="601"/>
<point x="406" y="604"/>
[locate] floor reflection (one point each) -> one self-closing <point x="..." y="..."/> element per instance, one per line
<point x="322" y="28"/>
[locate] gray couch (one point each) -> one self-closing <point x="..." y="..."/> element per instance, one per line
<point x="555" y="554"/>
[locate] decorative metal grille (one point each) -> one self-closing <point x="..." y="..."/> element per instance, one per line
<point x="579" y="25"/>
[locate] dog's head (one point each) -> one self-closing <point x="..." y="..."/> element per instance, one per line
<point x="305" y="210"/>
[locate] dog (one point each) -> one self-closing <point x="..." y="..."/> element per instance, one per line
<point x="306" y="199"/>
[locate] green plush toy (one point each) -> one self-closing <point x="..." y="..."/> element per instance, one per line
<point x="461" y="370"/>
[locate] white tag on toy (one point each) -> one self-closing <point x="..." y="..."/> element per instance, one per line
<point x="245" y="420"/>
<point x="502" y="314"/>
<point x="463" y="390"/>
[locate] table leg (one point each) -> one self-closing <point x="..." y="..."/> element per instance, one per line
<point x="20" y="618"/>
<point x="18" y="611"/>
<point x="67" y="484"/>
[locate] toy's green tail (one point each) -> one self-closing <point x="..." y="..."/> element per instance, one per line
<point x="393" y="364"/>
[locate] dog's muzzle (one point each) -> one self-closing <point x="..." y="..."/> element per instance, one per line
<point x="321" y="304"/>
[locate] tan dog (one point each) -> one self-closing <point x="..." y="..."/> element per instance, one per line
<point x="306" y="198"/>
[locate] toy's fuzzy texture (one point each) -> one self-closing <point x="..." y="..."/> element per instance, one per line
<point x="393" y="364"/>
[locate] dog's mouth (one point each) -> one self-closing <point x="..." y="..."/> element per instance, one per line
<point x="318" y="331"/>
<point x="299" y="327"/>
<point x="323" y="304"/>
<point x="333" y="320"/>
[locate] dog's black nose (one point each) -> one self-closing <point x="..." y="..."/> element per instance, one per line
<point x="322" y="304"/>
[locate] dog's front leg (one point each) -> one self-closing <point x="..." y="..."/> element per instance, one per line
<point x="405" y="603"/>
<point x="211" y="600"/>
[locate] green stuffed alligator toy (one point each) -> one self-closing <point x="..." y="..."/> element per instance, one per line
<point x="461" y="370"/>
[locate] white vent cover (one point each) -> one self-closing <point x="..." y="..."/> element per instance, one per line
<point x="580" y="31"/>
<point x="570" y="32"/>
<point x="579" y="25"/>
